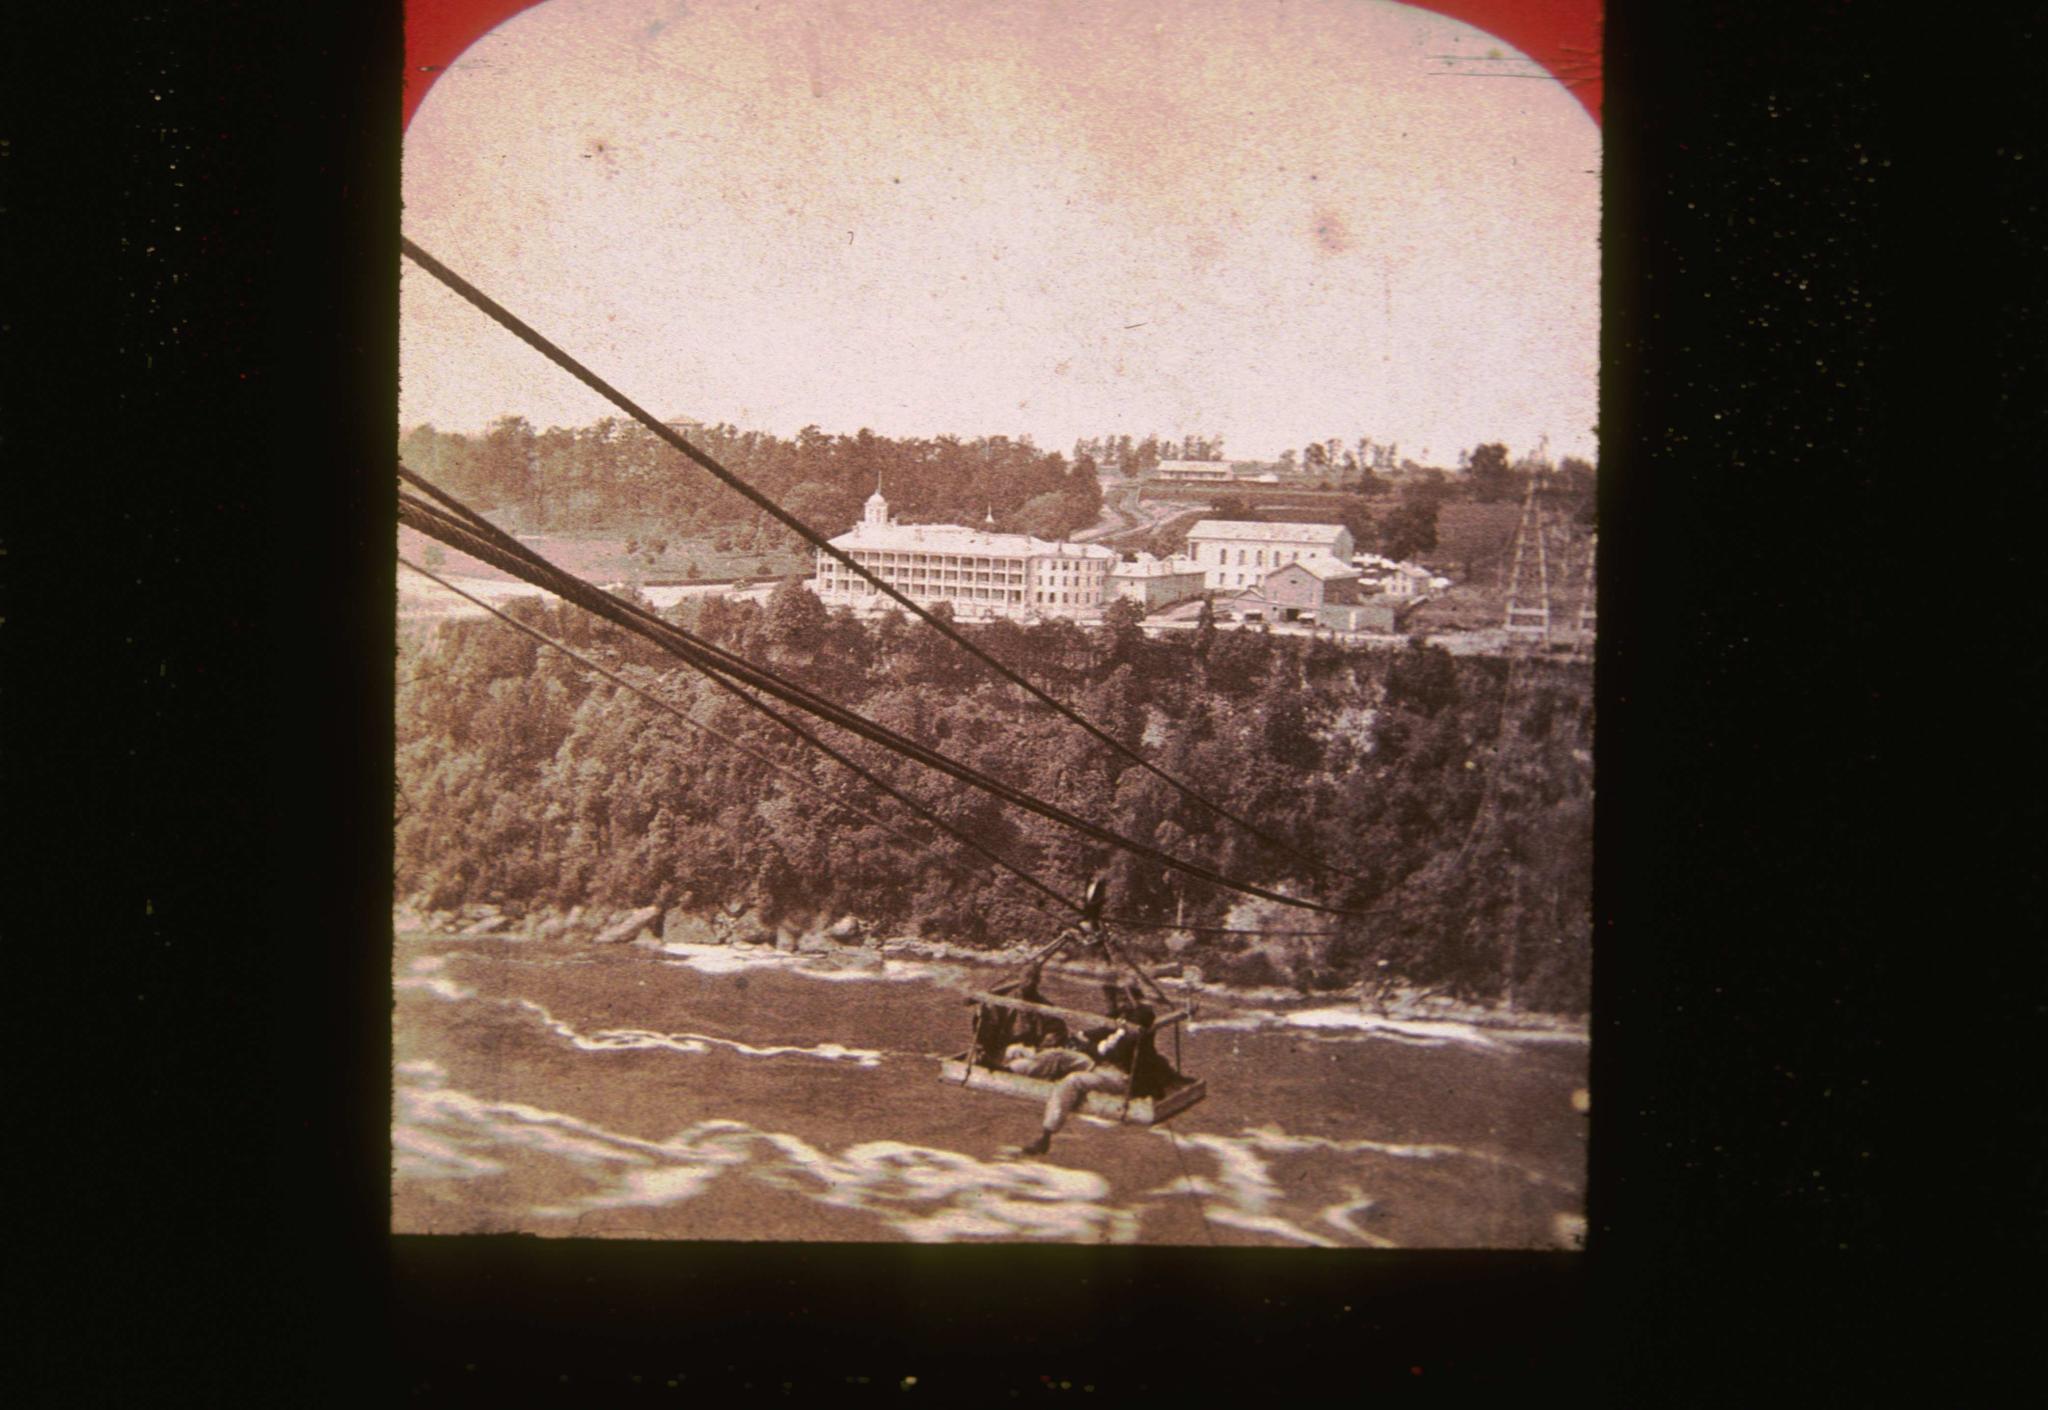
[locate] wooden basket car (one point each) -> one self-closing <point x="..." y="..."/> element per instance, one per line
<point x="1181" y="1092"/>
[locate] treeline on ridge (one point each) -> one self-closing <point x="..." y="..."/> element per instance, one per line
<point x="618" y="477"/>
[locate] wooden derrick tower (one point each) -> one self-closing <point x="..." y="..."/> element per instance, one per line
<point x="1528" y="614"/>
<point x="1545" y="574"/>
<point x="1582" y="644"/>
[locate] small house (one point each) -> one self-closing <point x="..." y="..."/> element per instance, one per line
<point x="1300" y="590"/>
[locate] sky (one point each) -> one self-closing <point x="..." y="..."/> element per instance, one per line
<point x="1273" y="220"/>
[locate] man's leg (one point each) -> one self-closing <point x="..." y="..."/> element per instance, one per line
<point x="1056" y="1063"/>
<point x="1067" y="1095"/>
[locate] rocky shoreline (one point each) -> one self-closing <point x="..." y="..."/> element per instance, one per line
<point x="653" y="927"/>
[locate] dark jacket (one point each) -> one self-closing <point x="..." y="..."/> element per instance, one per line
<point x="1036" y="1029"/>
<point x="1135" y="1055"/>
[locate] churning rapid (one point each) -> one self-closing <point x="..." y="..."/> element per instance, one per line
<point x="693" y="1092"/>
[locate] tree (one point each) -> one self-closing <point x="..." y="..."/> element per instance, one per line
<point x="1125" y="621"/>
<point x="935" y="660"/>
<point x="1238" y="662"/>
<point x="796" y="619"/>
<point x="1410" y="529"/>
<point x="505" y="462"/>
<point x="1046" y="516"/>
<point x="826" y="508"/>
<point x="1118" y="707"/>
<point x="1491" y="477"/>
<point x="420" y="449"/>
<point x="1423" y="679"/>
<point x="1083" y="495"/>
<point x="1356" y="515"/>
<point x="1288" y="737"/>
<point x="1577" y="479"/>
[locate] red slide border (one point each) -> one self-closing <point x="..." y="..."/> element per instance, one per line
<point x="1562" y="35"/>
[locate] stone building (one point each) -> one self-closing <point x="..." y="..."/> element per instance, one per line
<point x="1195" y="471"/>
<point x="1153" y="583"/>
<point x="1300" y="590"/>
<point x="1236" y="553"/>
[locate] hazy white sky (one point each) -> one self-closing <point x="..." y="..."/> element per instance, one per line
<point x="1274" y="219"/>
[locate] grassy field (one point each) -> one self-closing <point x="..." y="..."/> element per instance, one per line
<point x="1462" y="608"/>
<point x="606" y="560"/>
<point x="1258" y="496"/>
<point x="1174" y="529"/>
<point x="1474" y="538"/>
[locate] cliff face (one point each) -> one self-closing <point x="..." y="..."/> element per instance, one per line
<point x="1454" y="794"/>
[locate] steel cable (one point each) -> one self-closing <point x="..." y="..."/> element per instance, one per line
<point x="548" y="349"/>
<point x="921" y="809"/>
<point x="651" y="698"/>
<point x="523" y="563"/>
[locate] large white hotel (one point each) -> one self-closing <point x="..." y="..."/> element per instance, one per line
<point x="982" y="573"/>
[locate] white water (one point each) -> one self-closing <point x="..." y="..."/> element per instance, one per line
<point x="531" y="1092"/>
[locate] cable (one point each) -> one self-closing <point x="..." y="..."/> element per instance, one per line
<point x="1130" y="923"/>
<point x="616" y="679"/>
<point x="1187" y="1182"/>
<point x="921" y="809"/>
<point x="1143" y="978"/>
<point x="1479" y="813"/>
<point x="1479" y="816"/>
<point x="523" y="563"/>
<point x="511" y="544"/>
<point x="716" y="661"/>
<point x="546" y="348"/>
<point x="521" y="550"/>
<point x="514" y="547"/>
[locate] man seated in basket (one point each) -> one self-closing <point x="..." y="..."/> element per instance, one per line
<point x="1119" y="1051"/>
<point x="998" y="1030"/>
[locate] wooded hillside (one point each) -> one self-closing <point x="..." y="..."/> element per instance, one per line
<point x="525" y="783"/>
<point x="617" y="477"/>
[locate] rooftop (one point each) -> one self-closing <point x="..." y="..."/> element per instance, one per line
<point x="1155" y="568"/>
<point x="957" y="538"/>
<point x="1260" y="532"/>
<point x="1328" y="569"/>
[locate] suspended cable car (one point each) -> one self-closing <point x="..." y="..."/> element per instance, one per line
<point x="1066" y="1058"/>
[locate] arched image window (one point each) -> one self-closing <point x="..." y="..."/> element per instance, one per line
<point x="889" y="275"/>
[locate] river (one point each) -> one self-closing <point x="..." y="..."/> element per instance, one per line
<point x="694" y="1092"/>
